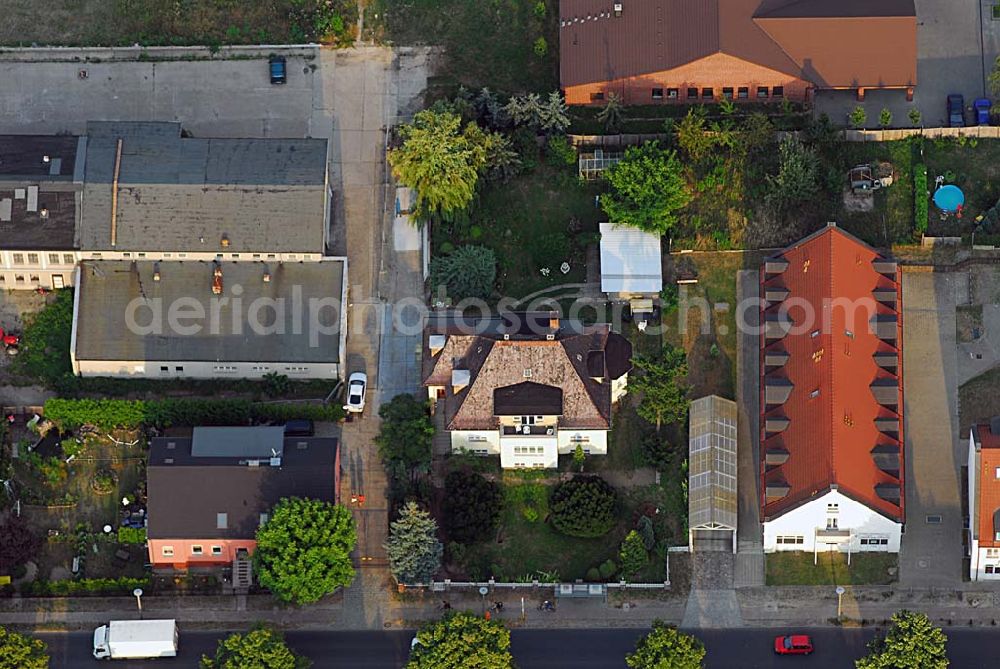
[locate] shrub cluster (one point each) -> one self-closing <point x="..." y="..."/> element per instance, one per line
<point x="129" y="414"/>
<point x="920" y="197"/>
<point x="132" y="535"/>
<point x="471" y="506"/>
<point x="584" y="506"/>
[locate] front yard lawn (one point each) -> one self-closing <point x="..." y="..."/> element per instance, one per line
<point x="797" y="568"/>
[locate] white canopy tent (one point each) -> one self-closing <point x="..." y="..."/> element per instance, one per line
<point x="631" y="264"/>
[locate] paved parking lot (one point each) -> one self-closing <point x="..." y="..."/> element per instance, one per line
<point x="949" y="60"/>
<point x="931" y="553"/>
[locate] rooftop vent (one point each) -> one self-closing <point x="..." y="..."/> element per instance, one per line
<point x="267" y="274"/>
<point x="46" y="159"/>
<point x="156" y="271"/>
<point x="618" y="9"/>
<point x="225" y="241"/>
<point x="217" y="280"/>
<point x="43" y="213"/>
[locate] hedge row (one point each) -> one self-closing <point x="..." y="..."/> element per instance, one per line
<point x="920" y="197"/>
<point x="85" y="586"/>
<point x="106" y="414"/>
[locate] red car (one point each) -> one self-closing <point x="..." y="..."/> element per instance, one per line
<point x="793" y="644"/>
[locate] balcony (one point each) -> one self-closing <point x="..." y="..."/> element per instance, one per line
<point x="527" y="430"/>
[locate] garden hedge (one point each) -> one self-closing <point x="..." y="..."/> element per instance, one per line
<point x="87" y="586"/>
<point x="920" y="197"/>
<point x="105" y="414"/>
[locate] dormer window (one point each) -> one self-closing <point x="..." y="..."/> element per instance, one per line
<point x="527" y="373"/>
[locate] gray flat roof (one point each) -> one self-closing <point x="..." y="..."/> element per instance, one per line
<point x="21" y="228"/>
<point x="272" y="318"/>
<point x="184" y="194"/>
<point x="23" y="157"/>
<point x="264" y="441"/>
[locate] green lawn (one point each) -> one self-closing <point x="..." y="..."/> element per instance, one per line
<point x="528" y="546"/>
<point x="523" y="220"/>
<point x="487" y="42"/>
<point x="796" y="568"/>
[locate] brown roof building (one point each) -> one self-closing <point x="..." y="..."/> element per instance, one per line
<point x="526" y="383"/>
<point x="648" y="51"/>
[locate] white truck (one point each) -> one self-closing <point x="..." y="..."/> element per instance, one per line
<point x="136" y="639"/>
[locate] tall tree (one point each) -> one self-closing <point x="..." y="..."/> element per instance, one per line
<point x="554" y="117"/>
<point x="797" y="179"/>
<point x="460" y="641"/>
<point x="693" y="136"/>
<point x="303" y="550"/>
<point x="440" y="161"/>
<point x="406" y="433"/>
<point x="413" y="547"/>
<point x="18" y="544"/>
<point x="584" y="506"/>
<point x="260" y="648"/>
<point x="666" y="648"/>
<point x="647" y="189"/>
<point x="19" y="651"/>
<point x="611" y="114"/>
<point x="911" y="643"/>
<point x="661" y="383"/>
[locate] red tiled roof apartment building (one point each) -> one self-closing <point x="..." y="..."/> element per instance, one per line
<point x="984" y="501"/>
<point x="651" y="51"/>
<point x="831" y="397"/>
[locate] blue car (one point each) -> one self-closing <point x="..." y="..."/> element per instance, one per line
<point x="279" y="69"/>
<point x="982" y="107"/>
<point x="956" y="110"/>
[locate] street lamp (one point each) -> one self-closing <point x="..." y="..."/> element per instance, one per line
<point x="840" y="596"/>
<point x="138" y="599"/>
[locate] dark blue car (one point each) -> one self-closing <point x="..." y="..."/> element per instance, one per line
<point x="279" y="69"/>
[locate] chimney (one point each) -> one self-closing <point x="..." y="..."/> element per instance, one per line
<point x="225" y="241"/>
<point x="217" y="280"/>
<point x="618" y="9"/>
<point x="267" y="274"/>
<point x="156" y="271"/>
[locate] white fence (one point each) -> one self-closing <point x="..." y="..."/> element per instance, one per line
<point x="559" y="589"/>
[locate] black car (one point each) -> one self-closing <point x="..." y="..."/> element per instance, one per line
<point x="956" y="111"/>
<point x="279" y="69"/>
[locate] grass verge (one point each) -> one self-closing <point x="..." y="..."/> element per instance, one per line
<point x="831" y="568"/>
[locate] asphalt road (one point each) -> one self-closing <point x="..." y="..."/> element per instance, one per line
<point x="548" y="649"/>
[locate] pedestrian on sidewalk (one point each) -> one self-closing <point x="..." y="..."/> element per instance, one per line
<point x="498" y="606"/>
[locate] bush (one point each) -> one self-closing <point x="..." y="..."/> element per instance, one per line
<point x="633" y="555"/>
<point x="541" y="47"/>
<point x="44" y="350"/>
<point x="608" y="569"/>
<point x="920" y="197"/>
<point x="559" y="152"/>
<point x="645" y="529"/>
<point x="132" y="535"/>
<point x="656" y="452"/>
<point x="584" y="506"/>
<point x="470" y="271"/>
<point x="471" y="506"/>
<point x="593" y="574"/>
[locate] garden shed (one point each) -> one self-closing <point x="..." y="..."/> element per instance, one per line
<point x="631" y="264"/>
<point x="712" y="474"/>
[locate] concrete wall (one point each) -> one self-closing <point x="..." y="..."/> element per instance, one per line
<point x="717" y="71"/>
<point x="851" y="515"/>
<point x="153" y="369"/>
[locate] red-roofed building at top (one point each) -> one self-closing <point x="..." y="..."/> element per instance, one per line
<point x="984" y="501"/>
<point x="831" y="397"/>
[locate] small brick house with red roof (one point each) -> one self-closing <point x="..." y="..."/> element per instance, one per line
<point x="984" y="501"/>
<point x="831" y="397"/>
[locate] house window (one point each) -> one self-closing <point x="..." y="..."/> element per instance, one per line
<point x="762" y="92"/>
<point x="657" y="93"/>
<point x="996" y="536"/>
<point x="196" y="550"/>
<point x="743" y="92"/>
<point x="164" y="368"/>
<point x="142" y="255"/>
<point x="875" y="540"/>
<point x="3" y="279"/>
<point x="778" y="91"/>
<point x="791" y="540"/>
<point x="692" y="93"/>
<point x="216" y="550"/>
<point x="34" y="278"/>
<point x="18" y="278"/>
<point x="673" y="93"/>
<point x="831" y="523"/>
<point x="833" y="508"/>
<point x="54" y="258"/>
<point x="477" y="438"/>
<point x="18" y="258"/>
<point x="178" y="369"/>
<point x="727" y="92"/>
<point x="222" y="520"/>
<point x="126" y="255"/>
<point x="990" y="569"/>
<point x="707" y="93"/>
<point x="32" y="258"/>
<point x="168" y="551"/>
<point x="997" y="472"/>
<point x="993" y="552"/>
<point x="527" y="373"/>
<point x="68" y="258"/>
<point x="814" y="394"/>
<point x="596" y="96"/>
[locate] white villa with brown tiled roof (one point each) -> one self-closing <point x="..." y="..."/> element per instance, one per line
<point x="527" y="388"/>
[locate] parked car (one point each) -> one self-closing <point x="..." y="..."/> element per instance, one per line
<point x="982" y="107"/>
<point x="299" y="428"/>
<point x="279" y="69"/>
<point x="357" y="383"/>
<point x="793" y="644"/>
<point x="956" y="110"/>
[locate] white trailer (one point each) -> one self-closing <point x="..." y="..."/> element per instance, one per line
<point x="136" y="639"/>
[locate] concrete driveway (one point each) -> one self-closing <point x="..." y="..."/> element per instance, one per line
<point x="931" y="553"/>
<point x="949" y="60"/>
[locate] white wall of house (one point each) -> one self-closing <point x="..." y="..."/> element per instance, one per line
<point x="528" y="452"/>
<point x="594" y="442"/>
<point x="479" y="442"/>
<point x="28" y="270"/>
<point x="796" y="530"/>
<point x="173" y="369"/>
<point x="619" y="387"/>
